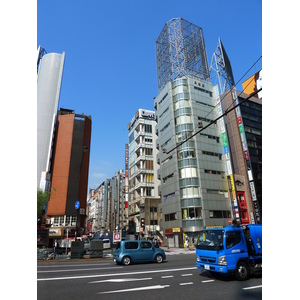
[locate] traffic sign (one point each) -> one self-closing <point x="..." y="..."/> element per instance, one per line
<point x="77" y="204"/>
<point x="117" y="236"/>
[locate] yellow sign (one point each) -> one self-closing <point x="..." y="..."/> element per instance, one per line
<point x="232" y="182"/>
<point x="176" y="229"/>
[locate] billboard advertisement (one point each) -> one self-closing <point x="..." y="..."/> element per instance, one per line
<point x="253" y="84"/>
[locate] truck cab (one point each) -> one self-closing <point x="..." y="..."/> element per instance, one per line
<point x="230" y="249"/>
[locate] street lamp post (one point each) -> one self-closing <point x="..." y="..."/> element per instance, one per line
<point x="77" y="204"/>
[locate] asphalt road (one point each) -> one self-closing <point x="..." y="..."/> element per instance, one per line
<point x="176" y="278"/>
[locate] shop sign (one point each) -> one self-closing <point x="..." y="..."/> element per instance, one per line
<point x="232" y="182"/>
<point x="176" y="229"/>
<point x="241" y="128"/>
<point x="253" y="191"/>
<point x="169" y="231"/>
<point x="224" y="137"/>
<point x="246" y="155"/>
<point x="55" y="232"/>
<point x="229" y="170"/>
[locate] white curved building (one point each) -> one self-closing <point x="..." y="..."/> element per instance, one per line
<point x="49" y="78"/>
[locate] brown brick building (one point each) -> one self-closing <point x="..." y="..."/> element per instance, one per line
<point x="70" y="170"/>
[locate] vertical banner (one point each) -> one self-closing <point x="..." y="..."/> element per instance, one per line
<point x="126" y="180"/>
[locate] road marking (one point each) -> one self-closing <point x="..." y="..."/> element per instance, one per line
<point x="186" y="283"/>
<point x="71" y="265"/>
<point x="252" y="287"/>
<point x="186" y="275"/>
<point x="74" y="270"/>
<point x="121" y="280"/>
<point x="205" y="281"/>
<point x="153" y="287"/>
<point x="115" y="274"/>
<point x="171" y="276"/>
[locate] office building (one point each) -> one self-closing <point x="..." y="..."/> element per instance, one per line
<point x="143" y="208"/>
<point x="119" y="219"/>
<point x="193" y="174"/>
<point x="244" y="125"/>
<point x="67" y="203"/>
<point x="49" y="79"/>
<point x="99" y="203"/>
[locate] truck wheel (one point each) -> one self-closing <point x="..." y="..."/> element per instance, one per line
<point x="126" y="260"/>
<point x="159" y="258"/>
<point x="242" y="271"/>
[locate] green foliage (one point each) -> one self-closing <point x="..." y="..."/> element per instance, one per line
<point x="42" y="198"/>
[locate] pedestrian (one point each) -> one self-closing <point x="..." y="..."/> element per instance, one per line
<point x="54" y="247"/>
<point x="186" y="244"/>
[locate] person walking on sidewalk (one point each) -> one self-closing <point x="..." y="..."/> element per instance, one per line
<point x="186" y="244"/>
<point x="54" y="248"/>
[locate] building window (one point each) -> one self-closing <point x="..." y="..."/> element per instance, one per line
<point x="149" y="164"/>
<point x="191" y="213"/>
<point x="219" y="214"/>
<point x="148" y="128"/>
<point x="170" y="217"/>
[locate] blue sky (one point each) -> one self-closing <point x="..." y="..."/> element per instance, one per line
<point x="110" y="64"/>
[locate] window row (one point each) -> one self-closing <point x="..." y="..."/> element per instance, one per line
<point x="220" y="214"/>
<point x="64" y="220"/>
<point x="204" y="91"/>
<point x="212" y="154"/>
<point x="166" y="126"/>
<point x="188" y="173"/>
<point x="181" y="103"/>
<point x="214" y="172"/>
<point x="192" y="213"/>
<point x="190" y="192"/>
<point x="180" y="96"/>
<point x="170" y="217"/>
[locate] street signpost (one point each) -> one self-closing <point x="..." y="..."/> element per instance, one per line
<point x="77" y="204"/>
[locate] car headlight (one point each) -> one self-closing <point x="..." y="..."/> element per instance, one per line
<point x="198" y="260"/>
<point x="222" y="260"/>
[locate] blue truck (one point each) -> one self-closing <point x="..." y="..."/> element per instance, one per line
<point x="230" y="250"/>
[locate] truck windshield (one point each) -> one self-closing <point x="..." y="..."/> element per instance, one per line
<point x="210" y="240"/>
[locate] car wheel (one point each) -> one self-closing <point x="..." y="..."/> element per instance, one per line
<point x="242" y="271"/>
<point x="159" y="258"/>
<point x="126" y="260"/>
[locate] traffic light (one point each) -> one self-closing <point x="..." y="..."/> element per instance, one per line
<point x="143" y="223"/>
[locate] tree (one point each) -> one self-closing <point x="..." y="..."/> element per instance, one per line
<point x="42" y="198"/>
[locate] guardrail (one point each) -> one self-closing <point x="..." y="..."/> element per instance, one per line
<point x="48" y="254"/>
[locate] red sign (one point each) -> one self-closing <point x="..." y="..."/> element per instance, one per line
<point x="246" y="155"/>
<point x="117" y="236"/>
<point x="240" y="120"/>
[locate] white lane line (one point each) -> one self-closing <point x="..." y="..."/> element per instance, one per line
<point x="77" y="265"/>
<point x="121" y="280"/>
<point x="252" y="287"/>
<point x="75" y="270"/>
<point x="170" y="276"/>
<point x="205" y="281"/>
<point x="186" y="283"/>
<point x="153" y="287"/>
<point x="186" y="275"/>
<point x="115" y="274"/>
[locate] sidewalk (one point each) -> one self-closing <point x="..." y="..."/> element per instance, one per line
<point x="67" y="258"/>
<point x="173" y="249"/>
